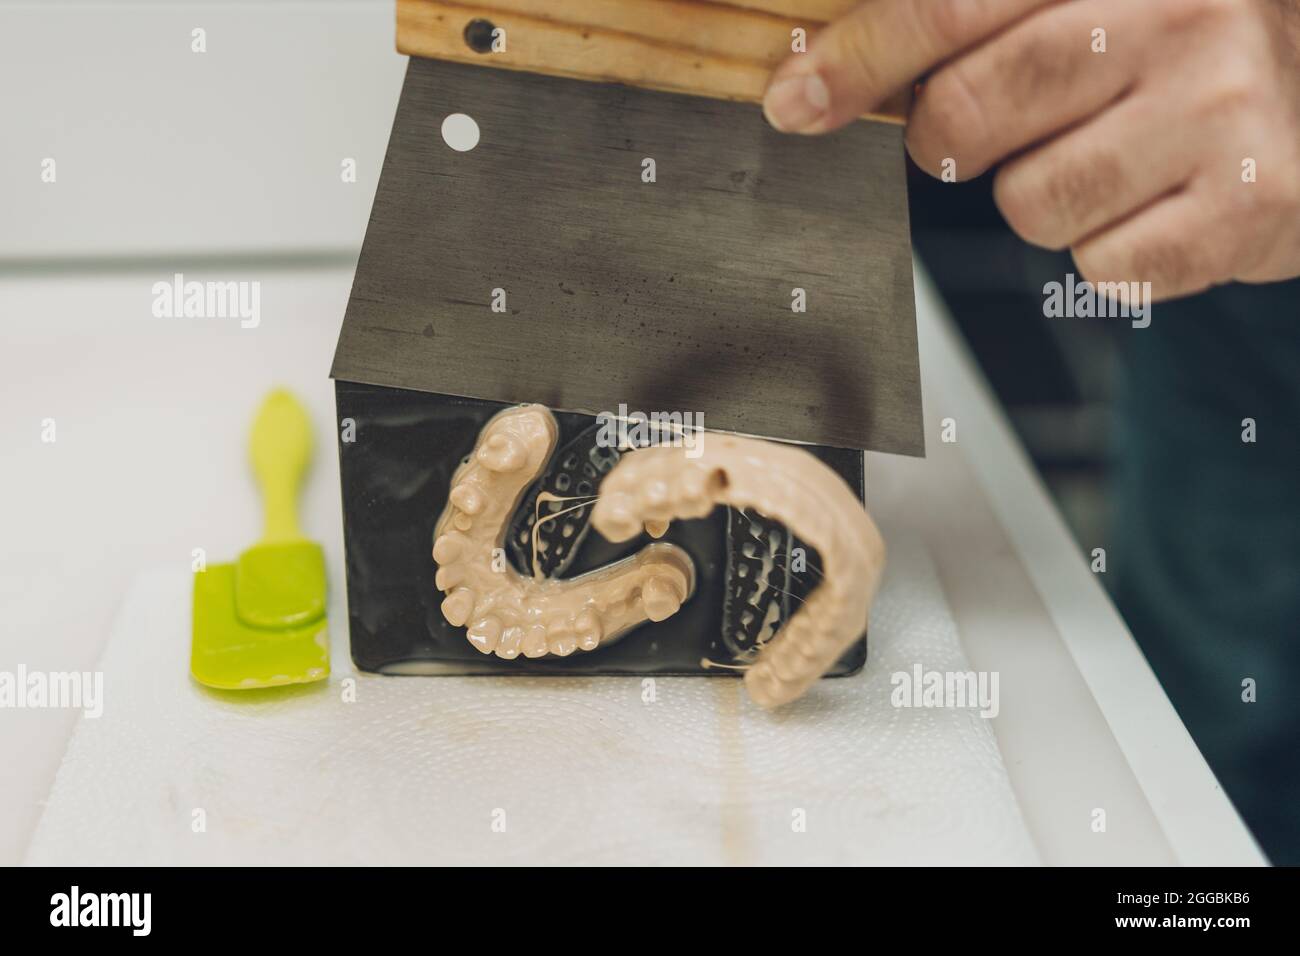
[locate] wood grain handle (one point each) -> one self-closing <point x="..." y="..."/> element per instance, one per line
<point x="724" y="49"/>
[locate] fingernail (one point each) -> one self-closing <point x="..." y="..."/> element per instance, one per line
<point x="796" y="103"/>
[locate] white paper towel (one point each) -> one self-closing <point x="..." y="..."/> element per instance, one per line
<point x="429" y="770"/>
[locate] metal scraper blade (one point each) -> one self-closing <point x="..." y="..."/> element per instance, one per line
<point x="677" y="294"/>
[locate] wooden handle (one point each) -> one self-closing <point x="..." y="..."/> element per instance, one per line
<point x="725" y="49"/>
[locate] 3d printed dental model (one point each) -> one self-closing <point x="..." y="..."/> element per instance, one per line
<point x="652" y="486"/>
<point x="507" y="612"/>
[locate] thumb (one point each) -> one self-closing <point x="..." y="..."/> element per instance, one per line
<point x="872" y="52"/>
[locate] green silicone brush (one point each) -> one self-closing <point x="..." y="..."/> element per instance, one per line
<point x="261" y="621"/>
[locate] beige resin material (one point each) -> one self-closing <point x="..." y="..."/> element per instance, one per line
<point x="650" y="487"/>
<point x="507" y="613"/>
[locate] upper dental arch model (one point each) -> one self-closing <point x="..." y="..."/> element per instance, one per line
<point x="508" y="613"/>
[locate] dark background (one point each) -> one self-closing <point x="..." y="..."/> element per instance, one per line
<point x="1136" y="433"/>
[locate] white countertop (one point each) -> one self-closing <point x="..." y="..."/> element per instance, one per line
<point x="228" y="166"/>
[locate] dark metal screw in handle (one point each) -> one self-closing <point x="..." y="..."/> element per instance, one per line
<point x="478" y="35"/>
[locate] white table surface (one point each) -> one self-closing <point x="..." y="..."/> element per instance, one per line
<point x="227" y="168"/>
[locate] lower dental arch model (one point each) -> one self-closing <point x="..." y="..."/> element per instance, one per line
<point x="508" y="613"/>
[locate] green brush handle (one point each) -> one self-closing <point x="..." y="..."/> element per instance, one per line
<point x="280" y="449"/>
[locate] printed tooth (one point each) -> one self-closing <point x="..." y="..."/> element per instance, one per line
<point x="458" y="606"/>
<point x="462" y="521"/>
<point x="448" y="577"/>
<point x="589" y="629"/>
<point x="485" y="634"/>
<point x="655" y="498"/>
<point x="534" y="644"/>
<point x="448" y="548"/>
<point x="618" y="522"/>
<point x="656" y="529"/>
<point x="511" y="638"/>
<point x="693" y="499"/>
<point x="661" y="598"/>
<point x="502" y="453"/>
<point x="690" y="482"/>
<point x="561" y="639"/>
<point x="467" y="498"/>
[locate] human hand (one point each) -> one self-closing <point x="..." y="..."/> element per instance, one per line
<point x="1157" y="140"/>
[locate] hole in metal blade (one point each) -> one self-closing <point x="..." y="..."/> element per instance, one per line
<point x="460" y="132"/>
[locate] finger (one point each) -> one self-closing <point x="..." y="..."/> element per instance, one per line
<point x="878" y="49"/>
<point x="1098" y="173"/>
<point x="1172" y="244"/>
<point x="1035" y="79"/>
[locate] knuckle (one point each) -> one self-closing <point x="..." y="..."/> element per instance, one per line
<point x="951" y="112"/>
<point x="1168" y="263"/>
<point x="948" y="25"/>
<point x="1221" y="11"/>
<point x="1072" y="193"/>
<point x="857" y="53"/>
<point x="1233" y="89"/>
<point x="1181" y="14"/>
<point x="1051" y="200"/>
<point x="1030" y="69"/>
